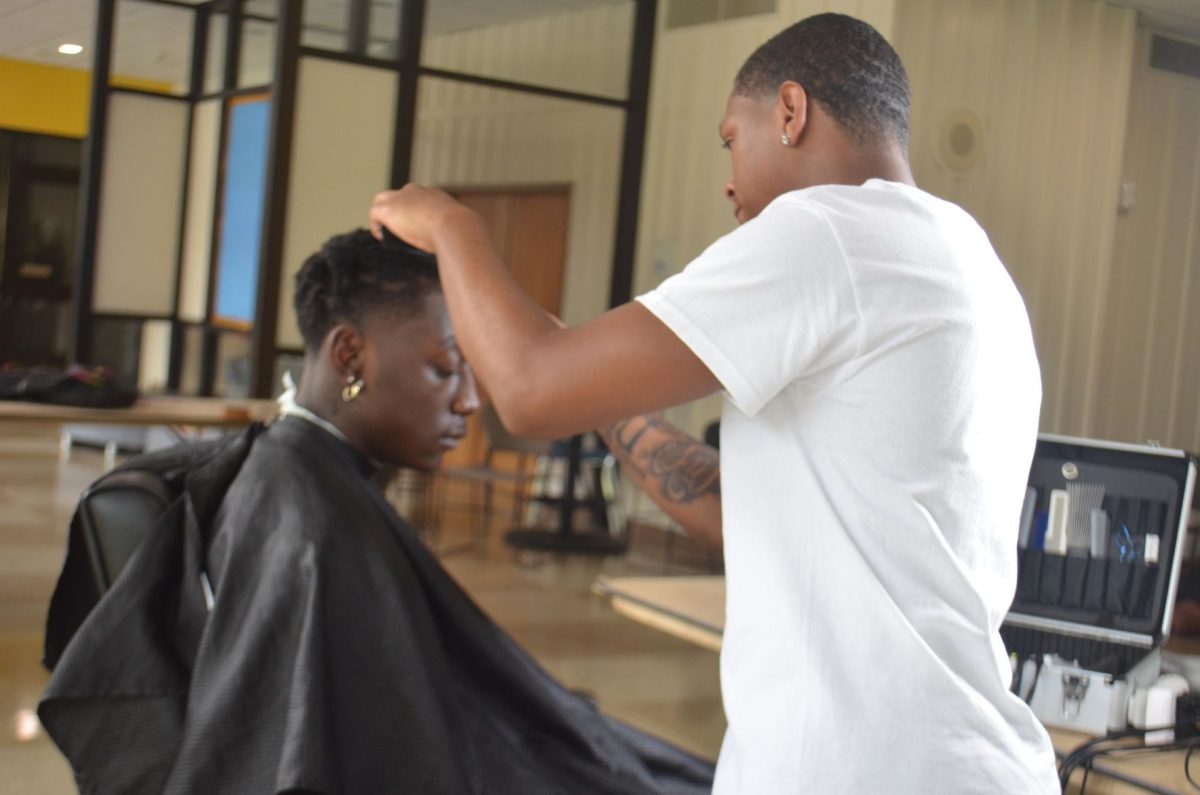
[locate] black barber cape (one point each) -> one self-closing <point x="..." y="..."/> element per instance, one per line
<point x="338" y="656"/>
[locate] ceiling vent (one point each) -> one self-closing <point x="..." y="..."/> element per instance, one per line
<point x="683" y="13"/>
<point x="1172" y="55"/>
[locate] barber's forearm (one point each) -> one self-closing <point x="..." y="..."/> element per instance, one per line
<point x="545" y="381"/>
<point x="680" y="474"/>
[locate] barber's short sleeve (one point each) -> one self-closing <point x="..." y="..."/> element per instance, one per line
<point x="770" y="303"/>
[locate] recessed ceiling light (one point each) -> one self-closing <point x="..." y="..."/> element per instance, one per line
<point x="70" y="49"/>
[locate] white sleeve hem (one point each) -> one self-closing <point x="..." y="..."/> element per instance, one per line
<point x="739" y="390"/>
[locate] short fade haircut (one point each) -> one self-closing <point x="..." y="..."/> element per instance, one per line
<point x="845" y="65"/>
<point x="354" y="276"/>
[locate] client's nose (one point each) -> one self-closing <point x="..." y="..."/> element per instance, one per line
<point x="467" y="399"/>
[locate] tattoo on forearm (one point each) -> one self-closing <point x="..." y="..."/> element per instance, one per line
<point x="685" y="468"/>
<point x="623" y="441"/>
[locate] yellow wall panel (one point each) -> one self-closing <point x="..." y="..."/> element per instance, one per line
<point x="43" y="99"/>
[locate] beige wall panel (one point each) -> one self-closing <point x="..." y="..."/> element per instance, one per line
<point x="470" y="136"/>
<point x="1047" y="83"/>
<point x="341" y="156"/>
<point x="198" y="216"/>
<point x="585" y="51"/>
<point x="683" y="207"/>
<point x="1150" y="375"/>
<point x="154" y="357"/>
<point x="138" y="237"/>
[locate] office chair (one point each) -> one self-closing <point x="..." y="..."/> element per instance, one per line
<point x="115" y="514"/>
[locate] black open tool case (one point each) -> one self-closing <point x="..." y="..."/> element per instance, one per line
<point x="1101" y="544"/>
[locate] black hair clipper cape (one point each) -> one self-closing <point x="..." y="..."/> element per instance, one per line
<point x="338" y="656"/>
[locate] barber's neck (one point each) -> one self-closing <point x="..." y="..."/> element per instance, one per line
<point x="831" y="156"/>
<point x="887" y="162"/>
<point x="854" y="165"/>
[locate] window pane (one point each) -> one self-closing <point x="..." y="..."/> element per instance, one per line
<point x="233" y="365"/>
<point x="34" y="331"/>
<point x="326" y="25"/>
<point x="192" y="362"/>
<point x="261" y="8"/>
<point x="116" y="344"/>
<point x="39" y="200"/>
<point x="214" y="60"/>
<point x="384" y="29"/>
<point x="42" y="218"/>
<point x="581" y="46"/>
<point x="256" y="66"/>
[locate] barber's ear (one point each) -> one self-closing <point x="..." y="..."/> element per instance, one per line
<point x="346" y="345"/>
<point x="793" y="109"/>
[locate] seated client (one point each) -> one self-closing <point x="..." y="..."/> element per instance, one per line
<point x="283" y="630"/>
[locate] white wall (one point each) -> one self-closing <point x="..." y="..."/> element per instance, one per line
<point x="1149" y="375"/>
<point x="1048" y="82"/>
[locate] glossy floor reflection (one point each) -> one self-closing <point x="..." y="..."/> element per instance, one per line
<point x="658" y="683"/>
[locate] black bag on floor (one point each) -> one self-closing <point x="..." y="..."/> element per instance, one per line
<point x="78" y="386"/>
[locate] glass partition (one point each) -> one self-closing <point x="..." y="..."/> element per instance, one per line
<point x="232" y="376"/>
<point x="256" y="65"/>
<point x="191" y="364"/>
<point x="117" y="345"/>
<point x="583" y="48"/>
<point x="326" y="26"/>
<point x="214" y="58"/>
<point x="503" y="146"/>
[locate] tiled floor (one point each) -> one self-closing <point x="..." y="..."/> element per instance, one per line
<point x="661" y="684"/>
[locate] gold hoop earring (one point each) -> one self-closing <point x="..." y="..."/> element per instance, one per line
<point x="352" y="389"/>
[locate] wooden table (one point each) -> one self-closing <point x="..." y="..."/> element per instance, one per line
<point x="172" y="412"/>
<point x="187" y="411"/>
<point x="693" y="608"/>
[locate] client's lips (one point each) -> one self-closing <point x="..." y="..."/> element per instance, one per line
<point x="451" y="440"/>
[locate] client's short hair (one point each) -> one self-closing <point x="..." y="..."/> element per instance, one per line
<point x="352" y="276"/>
<point x="845" y="65"/>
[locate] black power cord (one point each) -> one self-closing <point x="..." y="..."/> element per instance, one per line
<point x="1111" y="744"/>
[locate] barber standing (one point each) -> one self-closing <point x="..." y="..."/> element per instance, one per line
<point x="881" y="408"/>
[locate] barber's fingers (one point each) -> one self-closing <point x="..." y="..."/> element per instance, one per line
<point x="410" y="213"/>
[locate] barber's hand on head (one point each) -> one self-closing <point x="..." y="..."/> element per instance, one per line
<point x="413" y="213"/>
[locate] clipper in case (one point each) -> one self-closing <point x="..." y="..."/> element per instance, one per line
<point x="1099" y="550"/>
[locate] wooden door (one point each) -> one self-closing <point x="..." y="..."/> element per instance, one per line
<point x="529" y="228"/>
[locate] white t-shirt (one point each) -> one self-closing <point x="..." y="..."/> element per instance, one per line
<point x="882" y="399"/>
